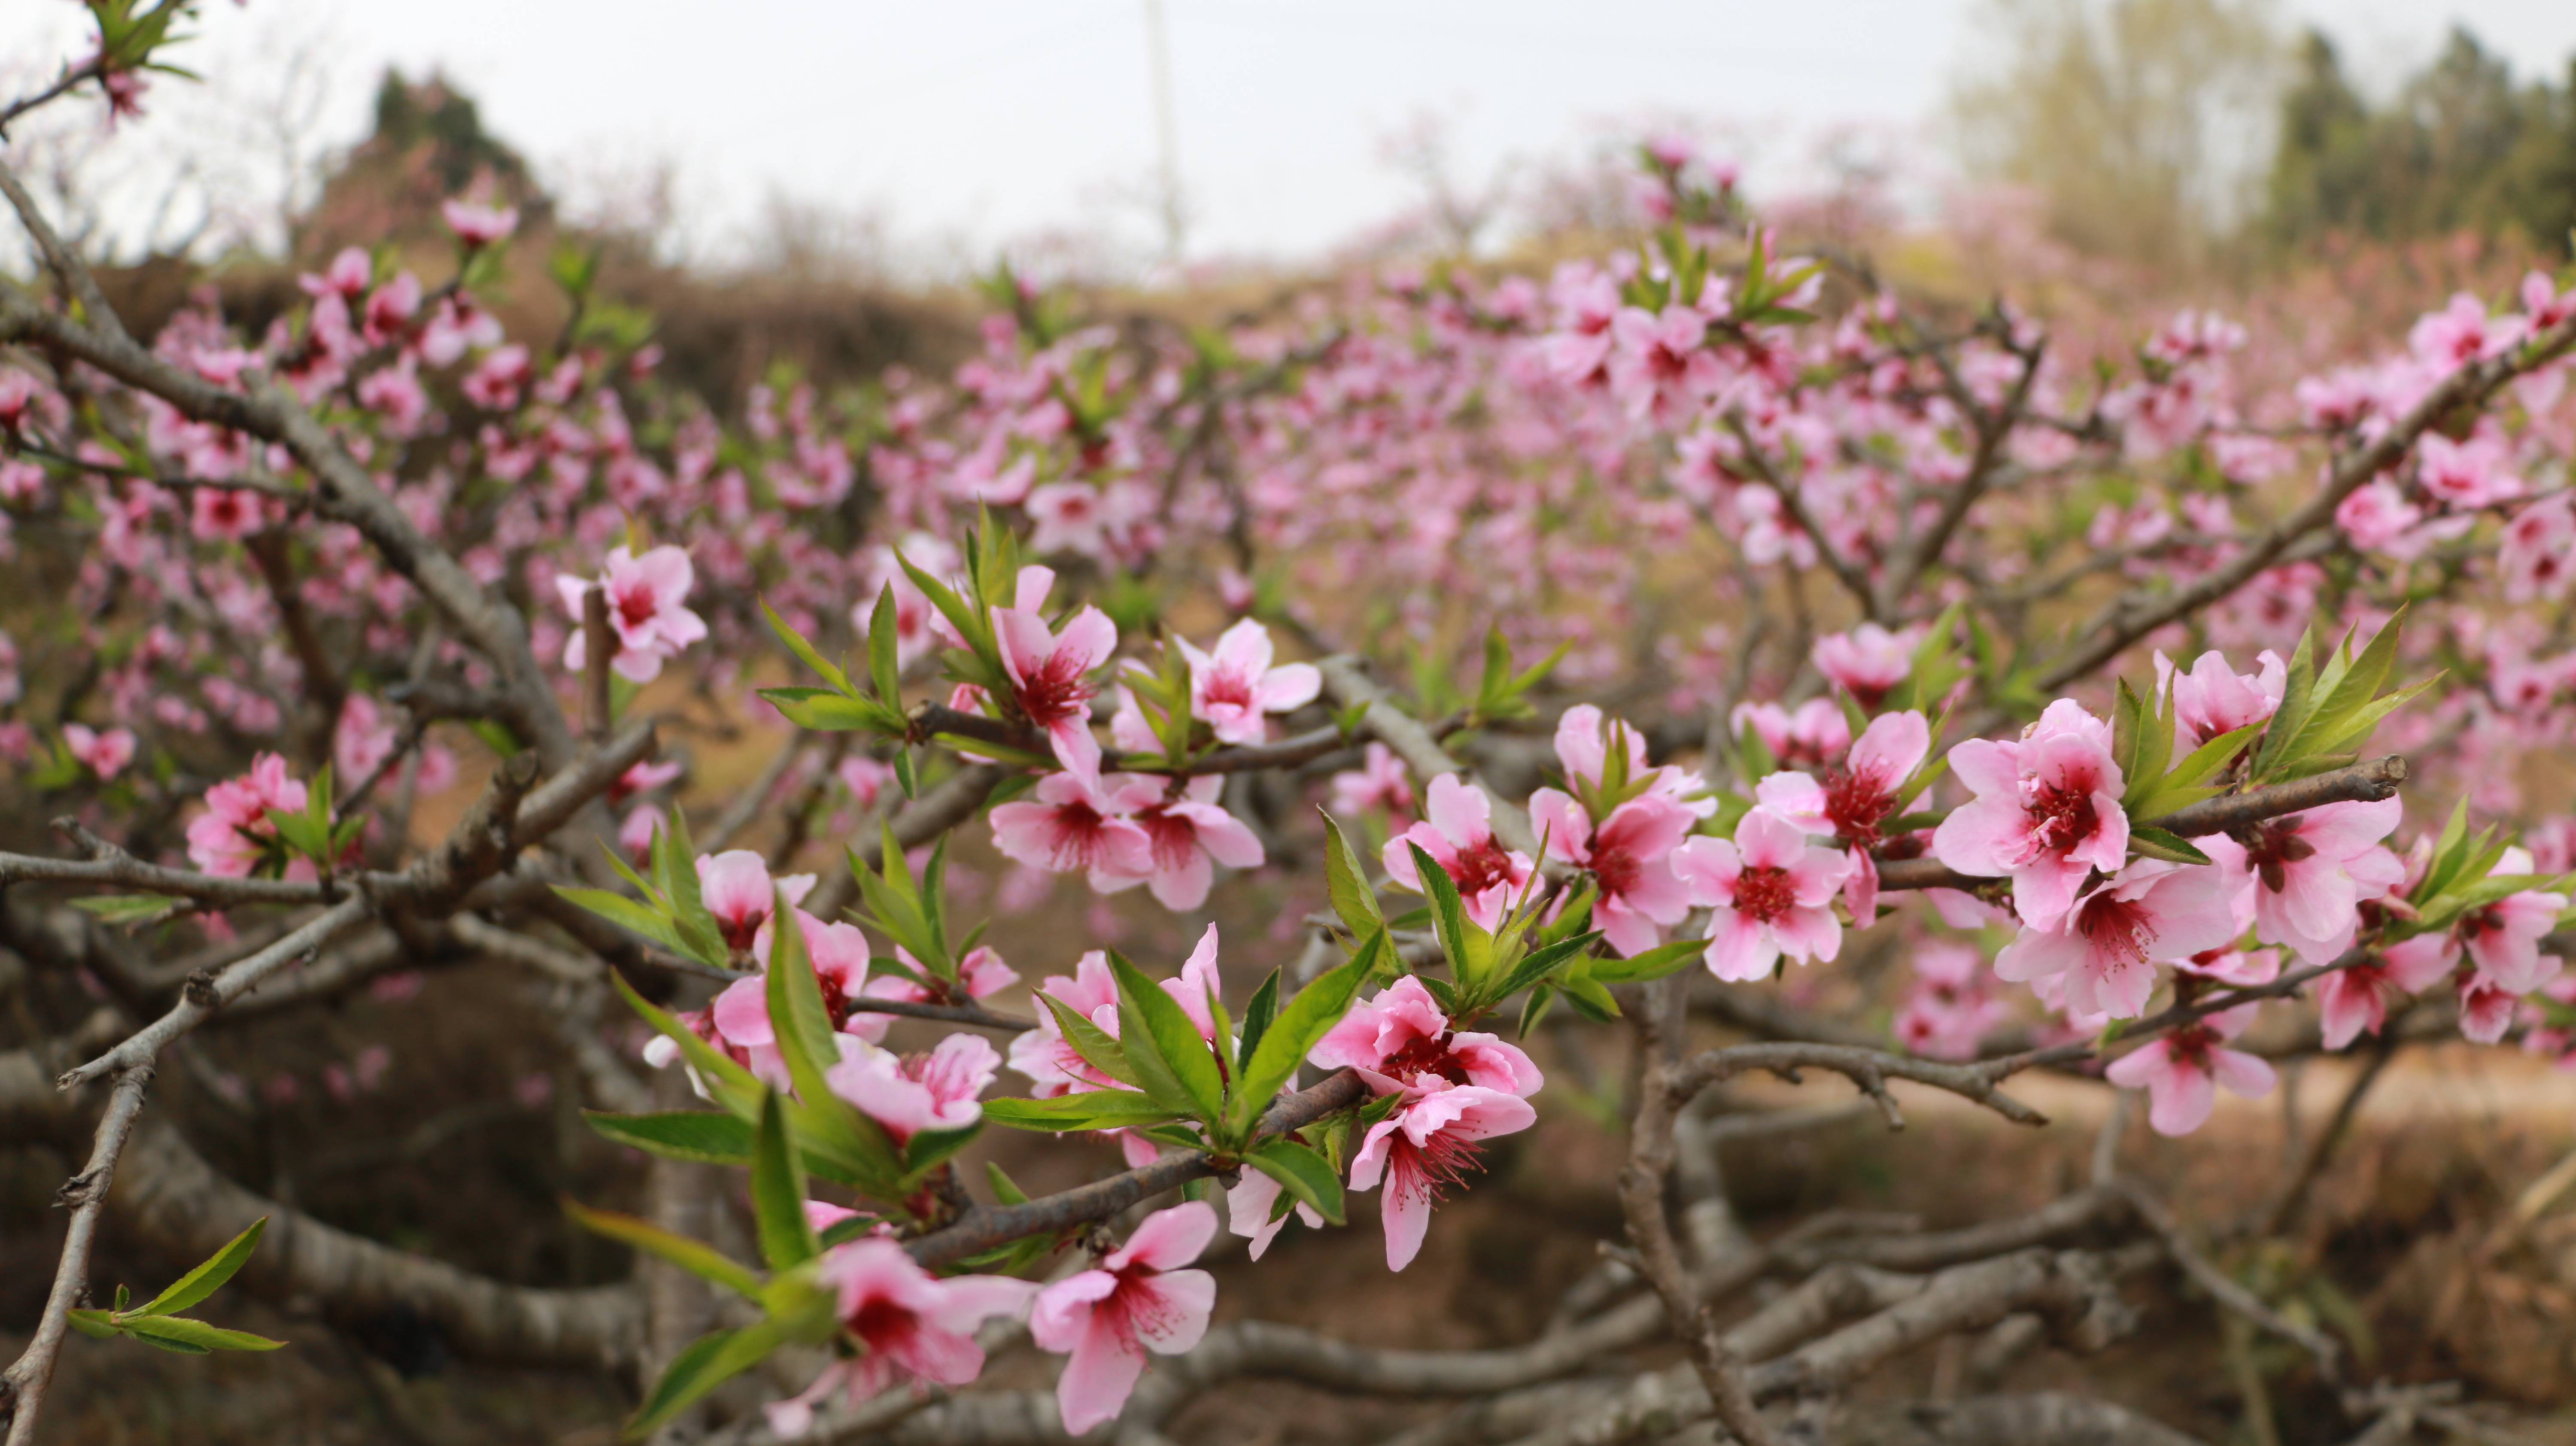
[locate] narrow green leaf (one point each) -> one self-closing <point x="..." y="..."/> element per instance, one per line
<point x="2298" y="696"/>
<point x="1257" y="1016"/>
<point x="706" y="1363"/>
<point x="1092" y="1110"/>
<point x="884" y="670"/>
<point x="1655" y="963"/>
<point x="805" y="652"/>
<point x="1097" y="1048"/>
<point x="731" y="1084"/>
<point x="209" y="1277"/>
<point x="626" y="914"/>
<point x="1449" y="919"/>
<point x="1539" y="963"/>
<point x="796" y="1013"/>
<point x="1005" y="1189"/>
<point x="195" y="1335"/>
<point x="93" y="1323"/>
<point x="778" y="1193"/>
<point x="1302" y="1173"/>
<point x="1302" y="1022"/>
<point x="710" y="1137"/>
<point x="2157" y="843"/>
<point x="696" y="1257"/>
<point x="126" y="908"/>
<point x="825" y="711"/>
<point x="1353" y="900"/>
<point x="1170" y="1059"/>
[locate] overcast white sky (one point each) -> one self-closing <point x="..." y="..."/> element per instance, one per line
<point x="979" y="120"/>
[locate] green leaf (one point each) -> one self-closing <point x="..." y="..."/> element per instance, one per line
<point x="696" y="1257"/>
<point x="1470" y="950"/>
<point x="93" y="1323"/>
<point x="778" y="1193"/>
<point x="626" y="914"/>
<point x="1302" y="1173"/>
<point x="2298" y="697"/>
<point x="1302" y="1022"/>
<point x="1093" y="1043"/>
<point x="1539" y="963"/>
<point x="1163" y="1045"/>
<point x="1005" y="1189"/>
<point x="706" y="1363"/>
<point x="194" y="1335"/>
<point x="132" y="909"/>
<point x="2181" y="787"/>
<point x="731" y="1084"/>
<point x="1258" y="1015"/>
<point x="825" y="711"/>
<point x="928" y="1148"/>
<point x="1092" y="1110"/>
<point x="970" y="623"/>
<point x="1654" y="963"/>
<point x="805" y="652"/>
<point x="675" y="877"/>
<point x="709" y="1137"/>
<point x="2157" y="843"/>
<point x="1353" y="900"/>
<point x="796" y="1013"/>
<point x="209" y="1277"/>
<point x="884" y="669"/>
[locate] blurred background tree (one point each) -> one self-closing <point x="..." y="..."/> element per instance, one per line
<point x="2142" y="124"/>
<point x="2183" y="134"/>
<point x="2460" y="148"/>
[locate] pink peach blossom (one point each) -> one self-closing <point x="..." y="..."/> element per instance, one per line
<point x="1141" y="1297"/>
<point x="1051" y="672"/>
<point x="2047" y="811"/>
<point x="2109" y="943"/>
<point x="1768" y="893"/>
<point x="908" y="1094"/>
<point x="1080" y="824"/>
<point x="1379" y="782"/>
<point x="1235" y="688"/>
<point x="1426" y="1148"/>
<point x="645" y="597"/>
<point x="104" y="754"/>
<point x="909" y="1325"/>
<point x="1459" y="837"/>
<point x="1401" y="1040"/>
<point x="1868" y="661"/>
<point x="2183" y="1071"/>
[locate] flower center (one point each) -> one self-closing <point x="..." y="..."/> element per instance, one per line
<point x="1056" y="691"/>
<point x="1765" y="894"/>
<point x="2273" y="848"/>
<point x="1480" y="868"/>
<point x="1854" y="803"/>
<point x="1227" y="688"/>
<point x="635" y="604"/>
<point x="2060" y="818"/>
<point x="1429" y="1054"/>
<point x="2116" y="928"/>
<point x="883" y="1324"/>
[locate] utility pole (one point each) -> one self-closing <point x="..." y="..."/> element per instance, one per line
<point x="1167" y="129"/>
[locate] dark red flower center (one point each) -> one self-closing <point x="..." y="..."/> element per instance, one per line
<point x="1056" y="691"/>
<point x="2062" y="817"/>
<point x="1765" y="894"/>
<point x="2115" y="927"/>
<point x="883" y="1324"/>
<point x="2271" y="850"/>
<point x="1480" y="868"/>
<point x="1854" y="803"/>
<point x="1429" y="1054"/>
